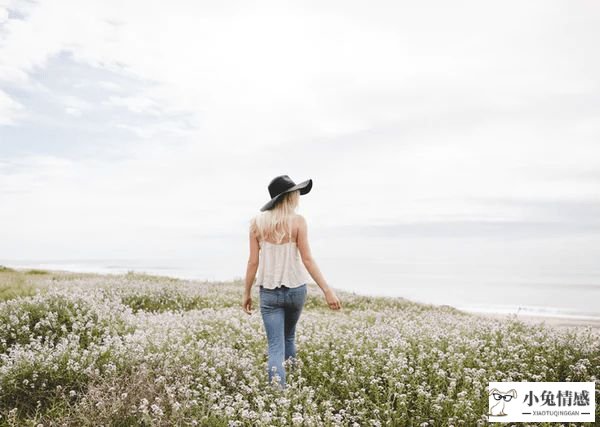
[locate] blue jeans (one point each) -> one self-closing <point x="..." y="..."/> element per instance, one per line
<point x="280" y="309"/>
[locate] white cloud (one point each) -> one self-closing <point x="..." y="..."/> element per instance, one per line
<point x="109" y="85"/>
<point x="10" y="110"/>
<point x="3" y="14"/>
<point x="136" y="104"/>
<point x="399" y="112"/>
<point x="296" y="73"/>
<point x="73" y="111"/>
<point x="74" y="106"/>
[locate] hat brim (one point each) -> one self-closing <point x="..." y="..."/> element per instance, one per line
<point x="304" y="188"/>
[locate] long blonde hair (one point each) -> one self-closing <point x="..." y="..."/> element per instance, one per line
<point x="276" y="222"/>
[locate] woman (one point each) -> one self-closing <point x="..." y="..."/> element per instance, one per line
<point x="278" y="242"/>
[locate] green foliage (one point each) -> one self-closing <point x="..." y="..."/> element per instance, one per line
<point x="48" y="319"/>
<point x="14" y="284"/>
<point x="36" y="271"/>
<point x="164" y="301"/>
<point x="138" y="349"/>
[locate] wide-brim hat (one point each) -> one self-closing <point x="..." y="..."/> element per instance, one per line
<point x="281" y="185"/>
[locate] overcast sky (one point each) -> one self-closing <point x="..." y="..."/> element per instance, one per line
<point x="129" y="128"/>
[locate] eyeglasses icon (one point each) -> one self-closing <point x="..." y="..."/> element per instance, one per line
<point x="506" y="397"/>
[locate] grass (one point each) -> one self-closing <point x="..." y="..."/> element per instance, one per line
<point x="14" y="283"/>
<point x="136" y="349"/>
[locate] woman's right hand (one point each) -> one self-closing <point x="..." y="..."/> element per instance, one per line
<point x="332" y="300"/>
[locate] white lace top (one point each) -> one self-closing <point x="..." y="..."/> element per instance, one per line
<point x="280" y="264"/>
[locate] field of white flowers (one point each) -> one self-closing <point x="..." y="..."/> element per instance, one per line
<point x="84" y="349"/>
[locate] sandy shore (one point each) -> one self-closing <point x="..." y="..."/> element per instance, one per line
<point x="556" y="322"/>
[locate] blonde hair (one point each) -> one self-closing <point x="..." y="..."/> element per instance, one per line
<point x="276" y="223"/>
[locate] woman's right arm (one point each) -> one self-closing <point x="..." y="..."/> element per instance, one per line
<point x="312" y="267"/>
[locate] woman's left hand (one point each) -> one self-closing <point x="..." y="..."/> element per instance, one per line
<point x="247" y="304"/>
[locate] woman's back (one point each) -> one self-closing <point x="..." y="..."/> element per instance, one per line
<point x="280" y="263"/>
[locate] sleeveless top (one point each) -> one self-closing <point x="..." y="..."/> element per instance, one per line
<point x="280" y="264"/>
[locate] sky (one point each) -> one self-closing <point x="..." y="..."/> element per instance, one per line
<point x="139" y="129"/>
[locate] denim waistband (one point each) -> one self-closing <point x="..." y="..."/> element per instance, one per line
<point x="281" y="288"/>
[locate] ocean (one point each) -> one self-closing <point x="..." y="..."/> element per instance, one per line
<point x="540" y="277"/>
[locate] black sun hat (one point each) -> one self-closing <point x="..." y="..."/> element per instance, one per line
<point x="281" y="185"/>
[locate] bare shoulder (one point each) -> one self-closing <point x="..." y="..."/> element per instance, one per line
<point x="253" y="227"/>
<point x="300" y="220"/>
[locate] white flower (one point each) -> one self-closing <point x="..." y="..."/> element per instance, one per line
<point x="156" y="409"/>
<point x="297" y="418"/>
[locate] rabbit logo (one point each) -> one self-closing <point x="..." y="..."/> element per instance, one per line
<point x="498" y="401"/>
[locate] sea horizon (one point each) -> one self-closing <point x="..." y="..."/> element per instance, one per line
<point x="424" y="289"/>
